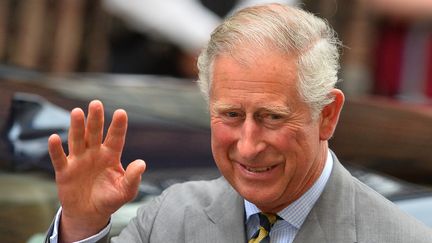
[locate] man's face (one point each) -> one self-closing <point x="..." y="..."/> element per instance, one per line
<point x="264" y="140"/>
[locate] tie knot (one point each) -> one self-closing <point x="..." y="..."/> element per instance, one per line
<point x="267" y="220"/>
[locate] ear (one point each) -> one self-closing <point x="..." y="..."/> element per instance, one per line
<point x="330" y="115"/>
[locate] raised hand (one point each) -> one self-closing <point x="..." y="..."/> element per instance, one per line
<point x="91" y="181"/>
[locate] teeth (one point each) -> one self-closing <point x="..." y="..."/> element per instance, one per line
<point x="257" y="170"/>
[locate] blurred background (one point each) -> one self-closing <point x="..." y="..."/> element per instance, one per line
<point x="140" y="55"/>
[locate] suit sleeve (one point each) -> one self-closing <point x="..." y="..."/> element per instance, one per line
<point x="52" y="234"/>
<point x="140" y="227"/>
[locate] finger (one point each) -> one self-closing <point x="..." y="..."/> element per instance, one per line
<point x="116" y="135"/>
<point x="132" y="177"/>
<point x="57" y="155"/>
<point x="95" y="121"/>
<point x="76" y="142"/>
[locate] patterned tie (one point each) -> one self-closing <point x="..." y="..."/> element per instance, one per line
<point x="266" y="222"/>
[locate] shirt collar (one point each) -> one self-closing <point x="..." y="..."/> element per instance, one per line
<point x="296" y="213"/>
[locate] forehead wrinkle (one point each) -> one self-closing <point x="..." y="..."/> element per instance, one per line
<point x="254" y="86"/>
<point x="224" y="106"/>
<point x="259" y="90"/>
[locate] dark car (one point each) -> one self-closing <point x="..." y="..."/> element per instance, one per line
<point x="168" y="124"/>
<point x="168" y="127"/>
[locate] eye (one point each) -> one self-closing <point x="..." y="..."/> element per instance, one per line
<point x="275" y="116"/>
<point x="272" y="118"/>
<point x="232" y="114"/>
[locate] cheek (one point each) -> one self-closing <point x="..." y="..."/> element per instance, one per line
<point x="298" y="138"/>
<point x="305" y="146"/>
<point x="308" y="139"/>
<point x="221" y="140"/>
<point x="221" y="137"/>
<point x="284" y="140"/>
<point x="294" y="145"/>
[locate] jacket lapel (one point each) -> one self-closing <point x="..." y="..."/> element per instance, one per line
<point x="221" y="221"/>
<point x="332" y="219"/>
<point x="311" y="230"/>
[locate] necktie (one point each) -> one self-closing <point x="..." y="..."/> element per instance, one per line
<point x="266" y="222"/>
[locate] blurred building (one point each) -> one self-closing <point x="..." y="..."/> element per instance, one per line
<point x="137" y="36"/>
<point x="387" y="46"/>
<point x="54" y="36"/>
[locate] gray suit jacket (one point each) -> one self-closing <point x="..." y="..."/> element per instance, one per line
<point x="212" y="211"/>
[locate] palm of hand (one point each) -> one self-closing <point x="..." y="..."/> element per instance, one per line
<point x="91" y="180"/>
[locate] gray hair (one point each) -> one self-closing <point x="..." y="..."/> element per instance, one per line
<point x="292" y="31"/>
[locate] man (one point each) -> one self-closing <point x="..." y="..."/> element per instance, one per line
<point x="268" y="73"/>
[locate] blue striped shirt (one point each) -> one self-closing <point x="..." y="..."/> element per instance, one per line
<point x="294" y="215"/>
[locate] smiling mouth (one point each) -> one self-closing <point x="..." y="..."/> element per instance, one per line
<point x="258" y="170"/>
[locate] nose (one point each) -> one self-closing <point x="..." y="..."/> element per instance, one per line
<point x="250" y="143"/>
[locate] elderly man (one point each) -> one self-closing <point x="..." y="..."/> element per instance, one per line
<point x="269" y="75"/>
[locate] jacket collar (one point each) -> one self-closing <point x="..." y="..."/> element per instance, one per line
<point x="225" y="214"/>
<point x="332" y="219"/>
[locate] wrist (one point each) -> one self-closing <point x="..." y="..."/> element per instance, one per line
<point x="76" y="228"/>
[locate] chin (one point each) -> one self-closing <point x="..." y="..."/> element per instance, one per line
<point x="263" y="198"/>
<point x="267" y="206"/>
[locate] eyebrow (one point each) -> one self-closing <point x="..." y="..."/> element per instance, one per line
<point x="218" y="106"/>
<point x="276" y="109"/>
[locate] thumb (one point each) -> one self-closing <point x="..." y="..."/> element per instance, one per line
<point x="132" y="177"/>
